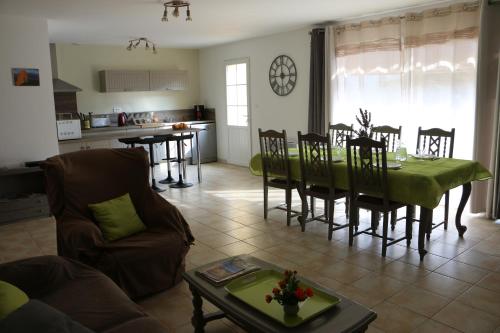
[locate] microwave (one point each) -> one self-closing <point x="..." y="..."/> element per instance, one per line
<point x="69" y="129"/>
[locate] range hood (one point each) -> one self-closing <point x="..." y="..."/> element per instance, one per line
<point x="60" y="86"/>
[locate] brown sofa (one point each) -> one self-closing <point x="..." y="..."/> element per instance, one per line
<point x="141" y="264"/>
<point x="82" y="293"/>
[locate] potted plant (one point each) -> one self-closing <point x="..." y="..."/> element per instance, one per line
<point x="289" y="293"/>
<point x="365" y="123"/>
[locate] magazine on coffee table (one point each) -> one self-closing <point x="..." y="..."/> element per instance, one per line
<point x="226" y="270"/>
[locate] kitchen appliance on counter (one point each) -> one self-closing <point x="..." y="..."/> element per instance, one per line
<point x="122" y="119"/>
<point x="198" y="112"/>
<point x="100" y="121"/>
<point x="67" y="127"/>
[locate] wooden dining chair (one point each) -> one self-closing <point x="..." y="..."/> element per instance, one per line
<point x="437" y="142"/>
<point x="390" y="134"/>
<point x="317" y="178"/>
<point x="338" y="133"/>
<point x="367" y="173"/>
<point x="276" y="169"/>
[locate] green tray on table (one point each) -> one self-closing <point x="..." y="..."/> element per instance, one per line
<point x="253" y="288"/>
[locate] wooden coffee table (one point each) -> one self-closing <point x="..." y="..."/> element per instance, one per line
<point x="347" y="316"/>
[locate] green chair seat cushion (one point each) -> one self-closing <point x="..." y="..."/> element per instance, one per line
<point x="11" y="298"/>
<point x="117" y="218"/>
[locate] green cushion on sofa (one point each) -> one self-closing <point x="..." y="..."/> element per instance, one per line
<point x="11" y="298"/>
<point x="117" y="218"/>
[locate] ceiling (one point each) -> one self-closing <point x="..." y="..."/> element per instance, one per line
<point x="114" y="22"/>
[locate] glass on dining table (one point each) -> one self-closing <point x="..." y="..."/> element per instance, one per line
<point x="337" y="153"/>
<point x="401" y="152"/>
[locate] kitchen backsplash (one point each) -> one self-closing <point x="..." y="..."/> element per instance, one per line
<point x="170" y="116"/>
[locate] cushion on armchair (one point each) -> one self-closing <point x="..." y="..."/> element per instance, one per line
<point x="117" y="218"/>
<point x="11" y="298"/>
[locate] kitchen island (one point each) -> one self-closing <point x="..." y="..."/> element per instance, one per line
<point x="107" y="137"/>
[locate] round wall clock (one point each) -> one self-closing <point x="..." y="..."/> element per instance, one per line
<point x="282" y="75"/>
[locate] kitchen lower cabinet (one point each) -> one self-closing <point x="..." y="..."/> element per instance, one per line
<point x="68" y="147"/>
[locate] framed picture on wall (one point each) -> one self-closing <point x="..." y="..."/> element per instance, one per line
<point x="25" y="77"/>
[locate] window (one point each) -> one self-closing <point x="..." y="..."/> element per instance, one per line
<point x="237" y="94"/>
<point x="410" y="71"/>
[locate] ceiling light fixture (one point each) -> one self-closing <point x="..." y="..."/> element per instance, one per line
<point x="176" y="4"/>
<point x="134" y="43"/>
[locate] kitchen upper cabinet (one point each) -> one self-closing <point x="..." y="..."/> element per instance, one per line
<point x="174" y="79"/>
<point x="136" y="80"/>
<point x="124" y="80"/>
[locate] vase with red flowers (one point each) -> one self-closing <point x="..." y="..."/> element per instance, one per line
<point x="289" y="294"/>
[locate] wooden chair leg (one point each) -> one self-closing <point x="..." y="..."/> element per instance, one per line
<point x="428" y="231"/>
<point x="266" y="196"/>
<point x="410" y="211"/>
<point x="446" y="209"/>
<point x="352" y="224"/>
<point x="325" y="209"/>
<point x="288" y="206"/>
<point x="313" y="206"/>
<point x="375" y="220"/>
<point x="384" y="234"/>
<point x="347" y="207"/>
<point x="331" y="208"/>
<point x="304" y="213"/>
<point x="394" y="217"/>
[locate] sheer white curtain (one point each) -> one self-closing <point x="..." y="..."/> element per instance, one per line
<point x="409" y="71"/>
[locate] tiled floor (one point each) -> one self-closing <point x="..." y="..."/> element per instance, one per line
<point x="456" y="288"/>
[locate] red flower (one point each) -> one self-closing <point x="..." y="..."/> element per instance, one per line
<point x="309" y="292"/>
<point x="276" y="291"/>
<point x="299" y="293"/>
<point x="269" y="298"/>
<point x="282" y="284"/>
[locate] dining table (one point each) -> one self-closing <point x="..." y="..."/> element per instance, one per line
<point x="417" y="182"/>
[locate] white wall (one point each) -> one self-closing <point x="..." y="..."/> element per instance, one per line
<point x="27" y="116"/>
<point x="268" y="110"/>
<point x="80" y="64"/>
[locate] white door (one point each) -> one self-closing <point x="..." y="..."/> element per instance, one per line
<point x="238" y="112"/>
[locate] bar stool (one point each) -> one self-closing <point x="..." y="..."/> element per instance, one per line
<point x="167" y="139"/>
<point x="150" y="141"/>
<point x="181" y="160"/>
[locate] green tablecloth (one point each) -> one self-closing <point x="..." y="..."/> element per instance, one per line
<point x="418" y="182"/>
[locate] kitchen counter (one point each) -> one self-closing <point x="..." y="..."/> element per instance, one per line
<point x="107" y="133"/>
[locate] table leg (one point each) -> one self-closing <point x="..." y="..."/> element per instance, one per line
<point x="198" y="155"/>
<point x="466" y="188"/>
<point x="197" y="320"/>
<point x="410" y="214"/>
<point x="425" y="219"/>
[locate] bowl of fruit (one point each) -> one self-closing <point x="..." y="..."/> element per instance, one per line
<point x="179" y="126"/>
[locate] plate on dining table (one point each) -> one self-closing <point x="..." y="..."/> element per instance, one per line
<point x="425" y="157"/>
<point x="394" y="165"/>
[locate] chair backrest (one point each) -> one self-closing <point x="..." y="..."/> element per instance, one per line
<point x="436" y="141"/>
<point x="390" y="134"/>
<point x="367" y="167"/>
<point x="338" y="132"/>
<point x="274" y="154"/>
<point x="315" y="153"/>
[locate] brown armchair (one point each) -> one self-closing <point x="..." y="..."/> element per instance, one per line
<point x="141" y="264"/>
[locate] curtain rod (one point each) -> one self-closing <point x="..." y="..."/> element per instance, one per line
<point x="388" y="12"/>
